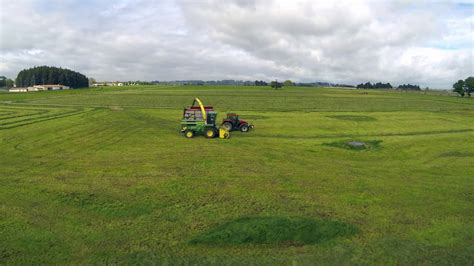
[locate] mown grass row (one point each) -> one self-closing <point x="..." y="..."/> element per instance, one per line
<point x="120" y="185"/>
<point x="16" y="113"/>
<point x="20" y="117"/>
<point x="248" y="99"/>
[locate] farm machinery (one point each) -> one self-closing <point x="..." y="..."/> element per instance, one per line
<point x="201" y="120"/>
<point x="232" y="122"/>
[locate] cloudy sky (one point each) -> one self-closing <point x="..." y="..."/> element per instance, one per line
<point x="405" y="41"/>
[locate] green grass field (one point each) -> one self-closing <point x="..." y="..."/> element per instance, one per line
<point x="98" y="176"/>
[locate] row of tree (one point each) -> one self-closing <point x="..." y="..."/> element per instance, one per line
<point x="260" y="83"/>
<point x="51" y="75"/>
<point x="409" y="87"/>
<point x="378" y="85"/>
<point x="275" y="84"/>
<point x="463" y="87"/>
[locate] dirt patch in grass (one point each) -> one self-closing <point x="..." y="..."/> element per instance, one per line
<point x="347" y="144"/>
<point x="294" y="231"/>
<point x="358" y="118"/>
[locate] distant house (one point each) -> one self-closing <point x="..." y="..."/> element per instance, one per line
<point x="48" y="87"/>
<point x="18" y="89"/>
<point x="108" y="84"/>
<point x="99" y="84"/>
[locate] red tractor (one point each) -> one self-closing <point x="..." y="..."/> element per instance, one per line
<point x="232" y="122"/>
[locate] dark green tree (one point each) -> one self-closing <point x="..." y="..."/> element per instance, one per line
<point x="288" y="83"/>
<point x="9" y="83"/>
<point x="469" y="85"/>
<point x="51" y="75"/>
<point x="6" y="82"/>
<point x="2" y="81"/>
<point x="409" y="87"/>
<point x="458" y="87"/>
<point x="276" y="85"/>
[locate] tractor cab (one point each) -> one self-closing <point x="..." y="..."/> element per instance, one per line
<point x="232" y="116"/>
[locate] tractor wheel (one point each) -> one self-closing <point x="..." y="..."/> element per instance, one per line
<point x="244" y="128"/>
<point x="210" y="133"/>
<point x="228" y="126"/>
<point x="189" y="134"/>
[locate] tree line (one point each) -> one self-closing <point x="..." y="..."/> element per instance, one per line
<point x="380" y="85"/>
<point x="275" y="84"/>
<point x="51" y="75"/>
<point x="260" y="83"/>
<point x="409" y="87"/>
<point x="463" y="87"/>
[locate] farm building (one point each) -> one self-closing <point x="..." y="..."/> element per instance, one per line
<point x="107" y="84"/>
<point x="18" y="90"/>
<point x="48" y="87"/>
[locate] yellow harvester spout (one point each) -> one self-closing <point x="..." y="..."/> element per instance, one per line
<point x="204" y="115"/>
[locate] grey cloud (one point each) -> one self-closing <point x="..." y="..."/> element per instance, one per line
<point x="348" y="41"/>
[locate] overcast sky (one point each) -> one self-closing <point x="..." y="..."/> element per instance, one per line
<point x="421" y="42"/>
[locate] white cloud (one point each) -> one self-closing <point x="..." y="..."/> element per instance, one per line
<point x="344" y="41"/>
<point x="340" y="41"/>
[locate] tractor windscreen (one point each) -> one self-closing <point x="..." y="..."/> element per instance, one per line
<point x="211" y="118"/>
<point x="232" y="116"/>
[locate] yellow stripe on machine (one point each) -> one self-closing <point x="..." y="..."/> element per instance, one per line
<point x="224" y="133"/>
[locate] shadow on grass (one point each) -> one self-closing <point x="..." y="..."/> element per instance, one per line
<point x="293" y="231"/>
<point x="367" y="145"/>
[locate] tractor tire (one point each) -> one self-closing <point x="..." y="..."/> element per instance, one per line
<point x="210" y="133"/>
<point x="228" y="126"/>
<point x="189" y="134"/>
<point x="244" y="128"/>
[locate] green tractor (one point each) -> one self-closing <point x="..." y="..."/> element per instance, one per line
<point x="201" y="120"/>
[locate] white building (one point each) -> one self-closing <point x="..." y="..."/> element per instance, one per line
<point x="48" y="87"/>
<point x="17" y="89"/>
<point x="99" y="84"/>
<point x="107" y="84"/>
